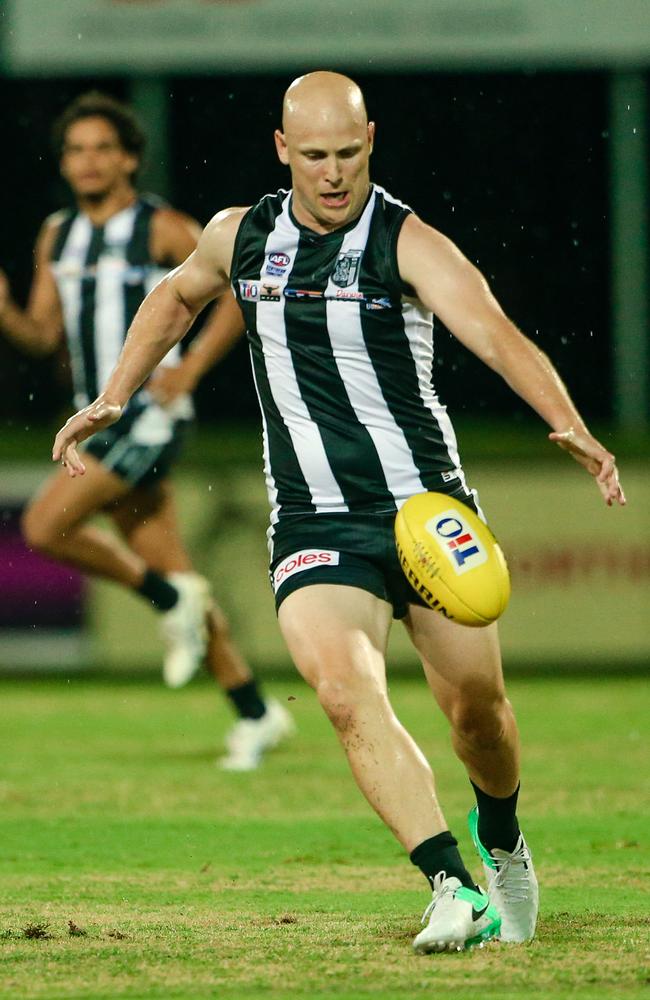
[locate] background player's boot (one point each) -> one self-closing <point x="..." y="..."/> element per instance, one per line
<point x="512" y="885"/>
<point x="185" y="629"/>
<point x="250" y="738"/>
<point x="456" y="918"/>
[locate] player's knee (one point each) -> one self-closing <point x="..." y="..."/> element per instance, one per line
<point x="38" y="531"/>
<point x="479" y="717"/>
<point x="346" y="698"/>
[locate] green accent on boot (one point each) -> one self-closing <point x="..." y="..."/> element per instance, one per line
<point x="472" y="822"/>
<point x="481" y="907"/>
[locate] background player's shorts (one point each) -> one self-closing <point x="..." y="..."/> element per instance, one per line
<point x="142" y="446"/>
<point x="354" y="550"/>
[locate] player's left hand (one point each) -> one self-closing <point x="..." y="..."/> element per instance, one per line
<point x="598" y="462"/>
<point x="82" y="425"/>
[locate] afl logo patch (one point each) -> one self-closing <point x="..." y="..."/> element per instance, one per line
<point x="277" y="263"/>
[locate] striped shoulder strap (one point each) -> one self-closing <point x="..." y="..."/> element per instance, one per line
<point x="63" y="220"/>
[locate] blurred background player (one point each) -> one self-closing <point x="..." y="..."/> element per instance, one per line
<point x="94" y="264"/>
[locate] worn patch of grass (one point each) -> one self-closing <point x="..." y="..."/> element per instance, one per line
<point x="156" y="875"/>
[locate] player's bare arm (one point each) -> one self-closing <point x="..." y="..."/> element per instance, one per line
<point x="37" y="329"/>
<point x="456" y="291"/>
<point x="174" y="237"/>
<point x="162" y="320"/>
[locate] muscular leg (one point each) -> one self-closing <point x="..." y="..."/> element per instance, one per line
<point x="147" y="519"/>
<point x="53" y="523"/>
<point x="463" y="669"/>
<point x="337" y="638"/>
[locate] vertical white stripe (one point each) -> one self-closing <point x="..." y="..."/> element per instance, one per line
<point x="68" y="272"/>
<point x="418" y="325"/>
<point x="359" y="377"/>
<point x="305" y="434"/>
<point x="110" y="308"/>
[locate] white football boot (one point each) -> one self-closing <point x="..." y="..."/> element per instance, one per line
<point x="512" y="885"/>
<point x="248" y="739"/>
<point x="456" y="918"/>
<point x="185" y="629"/>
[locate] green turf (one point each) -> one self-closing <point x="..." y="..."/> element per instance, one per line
<point x="192" y="883"/>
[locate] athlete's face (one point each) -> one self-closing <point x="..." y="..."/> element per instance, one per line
<point x="94" y="163"/>
<point x="328" y="156"/>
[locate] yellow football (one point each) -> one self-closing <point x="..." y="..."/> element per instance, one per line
<point x="452" y="559"/>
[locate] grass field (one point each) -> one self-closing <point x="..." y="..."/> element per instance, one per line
<point x="149" y="873"/>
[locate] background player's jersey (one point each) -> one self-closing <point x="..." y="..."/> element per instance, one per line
<point x="103" y="273"/>
<point x="342" y="357"/>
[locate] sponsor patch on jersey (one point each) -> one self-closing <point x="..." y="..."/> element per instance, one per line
<point x="262" y="290"/>
<point x="270" y="290"/>
<point x="303" y="293"/>
<point x="341" y="293"/>
<point x="298" y="562"/>
<point x="383" y="303"/>
<point x="461" y="546"/>
<point x="249" y="290"/>
<point x="277" y="263"/>
<point x="346" y="268"/>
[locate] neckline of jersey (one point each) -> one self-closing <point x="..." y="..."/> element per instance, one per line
<point x="334" y="234"/>
<point x="127" y="208"/>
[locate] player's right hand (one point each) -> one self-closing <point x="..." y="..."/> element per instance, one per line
<point x="82" y="425"/>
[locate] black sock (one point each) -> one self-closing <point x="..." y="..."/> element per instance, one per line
<point x="497" y="820"/>
<point x="162" y="594"/>
<point x="440" y="854"/>
<point x="247" y="700"/>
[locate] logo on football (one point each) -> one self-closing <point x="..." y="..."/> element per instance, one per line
<point x="451" y="559"/>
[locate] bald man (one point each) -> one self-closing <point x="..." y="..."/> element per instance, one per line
<point x="337" y="281"/>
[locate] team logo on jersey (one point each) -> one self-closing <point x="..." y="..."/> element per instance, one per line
<point x="277" y="263"/>
<point x="346" y="268"/>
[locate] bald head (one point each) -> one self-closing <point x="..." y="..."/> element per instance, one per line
<point x="326" y="141"/>
<point x="320" y="99"/>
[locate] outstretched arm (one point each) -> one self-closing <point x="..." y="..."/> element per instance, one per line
<point x="448" y="284"/>
<point x="162" y="320"/>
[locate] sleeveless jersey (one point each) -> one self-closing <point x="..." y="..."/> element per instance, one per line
<point x="342" y="357"/>
<point x="102" y="274"/>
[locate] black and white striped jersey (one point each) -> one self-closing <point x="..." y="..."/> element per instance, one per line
<point x="342" y="357"/>
<point x="102" y="274"/>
